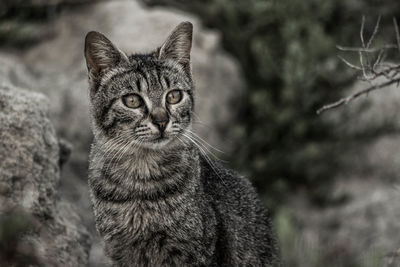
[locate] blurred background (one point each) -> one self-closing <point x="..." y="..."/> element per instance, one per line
<point x="262" y="68"/>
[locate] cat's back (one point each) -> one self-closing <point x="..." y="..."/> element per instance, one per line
<point x="245" y="236"/>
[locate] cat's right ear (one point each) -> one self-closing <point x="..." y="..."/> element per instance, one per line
<point x="178" y="45"/>
<point x="101" y="54"/>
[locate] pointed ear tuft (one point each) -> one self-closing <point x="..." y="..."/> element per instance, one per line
<point x="178" y="45"/>
<point x="101" y="54"/>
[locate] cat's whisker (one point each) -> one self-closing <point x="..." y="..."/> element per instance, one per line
<point x="197" y="145"/>
<point x="123" y="151"/>
<point x="111" y="162"/>
<point x="204" y="141"/>
<point x="207" y="158"/>
<point x="131" y="146"/>
<point x="193" y="138"/>
<point x="106" y="145"/>
<point x="198" y="117"/>
<point x="128" y="147"/>
<point x="114" y="144"/>
<point x="114" y="141"/>
<point x="122" y="154"/>
<point x="202" y="124"/>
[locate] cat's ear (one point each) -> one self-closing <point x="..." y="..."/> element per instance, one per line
<point x="178" y="45"/>
<point x="101" y="54"/>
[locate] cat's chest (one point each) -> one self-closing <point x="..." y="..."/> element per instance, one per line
<point x="157" y="235"/>
<point x="142" y="167"/>
<point x="142" y="218"/>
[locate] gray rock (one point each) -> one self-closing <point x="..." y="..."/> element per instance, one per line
<point x="30" y="175"/>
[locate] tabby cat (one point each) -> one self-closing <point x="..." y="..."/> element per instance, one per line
<point x="157" y="199"/>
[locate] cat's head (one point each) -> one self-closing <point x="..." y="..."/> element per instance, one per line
<point x="146" y="99"/>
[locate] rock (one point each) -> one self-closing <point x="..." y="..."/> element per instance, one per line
<point x="29" y="178"/>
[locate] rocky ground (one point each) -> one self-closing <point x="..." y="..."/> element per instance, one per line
<point x="365" y="225"/>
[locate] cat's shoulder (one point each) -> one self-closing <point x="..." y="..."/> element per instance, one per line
<point x="226" y="185"/>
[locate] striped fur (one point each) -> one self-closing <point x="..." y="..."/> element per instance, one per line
<point x="164" y="203"/>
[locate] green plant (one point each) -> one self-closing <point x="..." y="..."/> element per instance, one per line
<point x="15" y="249"/>
<point x="299" y="250"/>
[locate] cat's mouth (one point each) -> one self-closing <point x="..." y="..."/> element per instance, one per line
<point x="161" y="138"/>
<point x="158" y="142"/>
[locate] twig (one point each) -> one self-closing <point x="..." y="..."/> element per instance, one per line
<point x="396" y="28"/>
<point x="366" y="46"/>
<point x="378" y="60"/>
<point x="349" y="64"/>
<point x="363" y="68"/>
<point x="366" y="50"/>
<point x="370" y="70"/>
<point x="376" y="29"/>
<point x="350" y="98"/>
<point x="385" y="72"/>
<point x="362" y="31"/>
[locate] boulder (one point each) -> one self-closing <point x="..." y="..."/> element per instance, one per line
<point x="29" y="179"/>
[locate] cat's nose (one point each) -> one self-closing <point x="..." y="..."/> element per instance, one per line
<point x="160" y="118"/>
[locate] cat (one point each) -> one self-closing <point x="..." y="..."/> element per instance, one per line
<point x="157" y="200"/>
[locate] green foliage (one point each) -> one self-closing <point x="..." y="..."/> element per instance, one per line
<point x="20" y="22"/>
<point x="299" y="250"/>
<point x="15" y="249"/>
<point x="287" y="50"/>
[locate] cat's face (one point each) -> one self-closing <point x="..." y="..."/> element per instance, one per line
<point x="146" y="99"/>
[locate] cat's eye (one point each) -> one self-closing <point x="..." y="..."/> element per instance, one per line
<point x="132" y="101"/>
<point x="174" y="97"/>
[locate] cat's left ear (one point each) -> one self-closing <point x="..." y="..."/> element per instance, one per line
<point x="178" y="45"/>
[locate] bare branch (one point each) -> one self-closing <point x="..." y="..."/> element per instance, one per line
<point x="371" y="39"/>
<point x="362" y="31"/>
<point x="378" y="60"/>
<point x="346" y="100"/>
<point x="394" y="69"/>
<point x="376" y="29"/>
<point x="349" y="64"/>
<point x="396" y="28"/>
<point x="370" y="71"/>
<point x="363" y="68"/>
<point x="366" y="50"/>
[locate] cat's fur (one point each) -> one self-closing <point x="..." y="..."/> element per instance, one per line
<point x="160" y="202"/>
